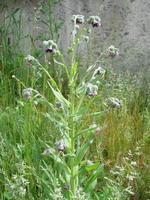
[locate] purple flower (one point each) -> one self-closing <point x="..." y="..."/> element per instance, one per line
<point x="95" y="21"/>
<point x="91" y="90"/>
<point x="50" y="46"/>
<point x="78" y="19"/>
<point x="61" y="146"/>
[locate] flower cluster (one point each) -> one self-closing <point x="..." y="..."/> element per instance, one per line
<point x="99" y="71"/>
<point x="50" y="46"/>
<point x="91" y="90"/>
<point x="30" y="60"/>
<point x="113" y="51"/>
<point x="95" y="21"/>
<point x="78" y="19"/>
<point x="61" y="146"/>
<point x="27" y="93"/>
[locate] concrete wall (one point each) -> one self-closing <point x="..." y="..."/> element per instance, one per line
<point x="125" y="24"/>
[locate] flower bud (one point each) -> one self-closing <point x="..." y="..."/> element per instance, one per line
<point x="112" y="51"/>
<point x="61" y="146"/>
<point x="95" y="21"/>
<point x="91" y="90"/>
<point x="27" y="93"/>
<point x="78" y="19"/>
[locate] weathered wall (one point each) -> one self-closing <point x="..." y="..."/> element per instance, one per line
<point x="125" y="23"/>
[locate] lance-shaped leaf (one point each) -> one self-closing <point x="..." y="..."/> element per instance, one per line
<point x="81" y="152"/>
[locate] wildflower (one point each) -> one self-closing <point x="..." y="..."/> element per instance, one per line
<point x="95" y="21"/>
<point x="78" y="19"/>
<point x="114" y="102"/>
<point x="50" y="46"/>
<point x="47" y="152"/>
<point x="91" y="90"/>
<point x="59" y="105"/>
<point x="99" y="71"/>
<point x="13" y="76"/>
<point x="61" y="146"/>
<point x="27" y="93"/>
<point x="30" y="60"/>
<point x="113" y="51"/>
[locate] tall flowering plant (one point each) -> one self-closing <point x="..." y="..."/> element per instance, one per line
<point x="77" y="175"/>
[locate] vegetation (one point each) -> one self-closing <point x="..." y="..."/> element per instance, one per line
<point x="66" y="134"/>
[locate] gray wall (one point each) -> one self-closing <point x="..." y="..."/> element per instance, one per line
<point x="125" y="24"/>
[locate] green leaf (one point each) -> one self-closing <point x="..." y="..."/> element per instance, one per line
<point x="60" y="97"/>
<point x="74" y="69"/>
<point x="81" y="152"/>
<point x="92" y="167"/>
<point x="90" y="182"/>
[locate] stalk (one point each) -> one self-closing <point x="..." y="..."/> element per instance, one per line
<point x="72" y="84"/>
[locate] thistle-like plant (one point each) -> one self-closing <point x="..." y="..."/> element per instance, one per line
<point x="73" y="140"/>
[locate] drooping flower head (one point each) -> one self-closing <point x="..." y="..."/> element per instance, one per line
<point x="30" y="60"/>
<point x="113" y="51"/>
<point x="99" y="71"/>
<point x="95" y="21"/>
<point x="78" y="19"/>
<point x="114" y="102"/>
<point x="27" y="93"/>
<point x="61" y="146"/>
<point x="91" y="90"/>
<point x="50" y="46"/>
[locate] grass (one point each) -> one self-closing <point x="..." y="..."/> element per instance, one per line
<point x="64" y="141"/>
